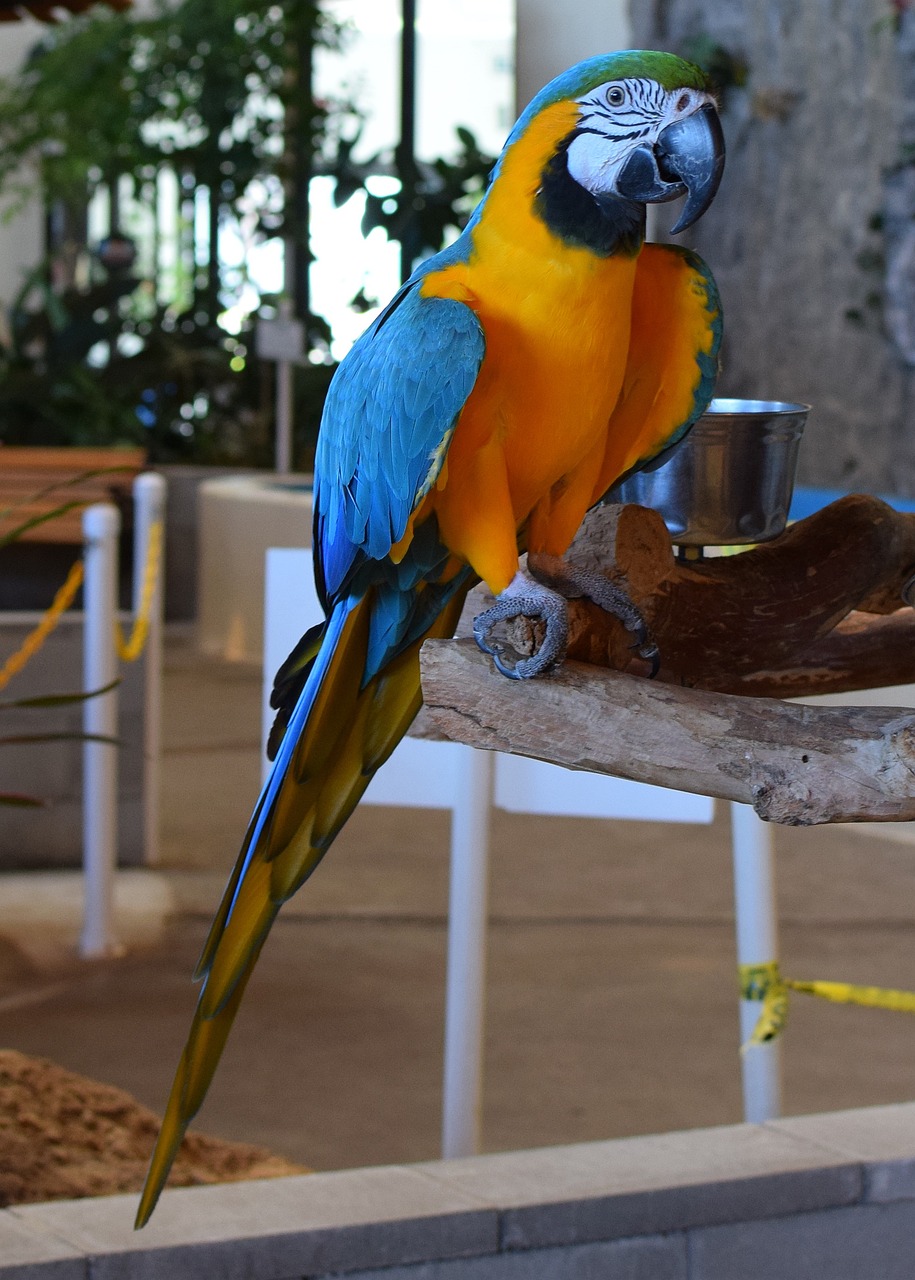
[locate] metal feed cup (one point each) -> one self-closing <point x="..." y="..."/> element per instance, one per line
<point x="731" y="479"/>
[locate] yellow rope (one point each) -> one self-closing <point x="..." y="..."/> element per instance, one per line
<point x="33" y="642"/>
<point x="765" y="983"/>
<point x="129" y="650"/>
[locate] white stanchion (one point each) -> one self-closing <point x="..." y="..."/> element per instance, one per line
<point x="465" y="989"/>
<point x="149" y="494"/>
<point x="285" y="373"/>
<point x="757" y="943"/>
<point x="101" y="526"/>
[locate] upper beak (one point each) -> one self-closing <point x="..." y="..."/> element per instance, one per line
<point x="687" y="159"/>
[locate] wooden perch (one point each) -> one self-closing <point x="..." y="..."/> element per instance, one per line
<point x="797" y="765"/>
<point x="803" y="614"/>
<point x="817" y="610"/>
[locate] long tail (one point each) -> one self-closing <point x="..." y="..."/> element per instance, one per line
<point x="339" y="734"/>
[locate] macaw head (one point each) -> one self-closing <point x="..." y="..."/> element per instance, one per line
<point x="644" y="130"/>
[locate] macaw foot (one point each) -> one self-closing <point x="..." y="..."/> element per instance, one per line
<point x="525" y="598"/>
<point x="540" y="597"/>
<point x="573" y="583"/>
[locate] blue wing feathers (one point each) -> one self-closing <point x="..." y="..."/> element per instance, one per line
<point x="389" y="416"/>
<point x="270" y="789"/>
<point x="390" y="413"/>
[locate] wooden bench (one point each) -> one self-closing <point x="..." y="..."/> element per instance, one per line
<point x="25" y="474"/>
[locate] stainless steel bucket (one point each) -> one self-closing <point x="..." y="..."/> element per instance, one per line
<point x="730" y="480"/>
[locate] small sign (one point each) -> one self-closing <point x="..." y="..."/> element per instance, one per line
<point x="280" y="339"/>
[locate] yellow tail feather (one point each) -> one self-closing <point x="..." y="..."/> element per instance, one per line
<point x="350" y="732"/>
<point x="196" y="1068"/>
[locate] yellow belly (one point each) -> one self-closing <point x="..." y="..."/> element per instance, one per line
<point x="531" y="439"/>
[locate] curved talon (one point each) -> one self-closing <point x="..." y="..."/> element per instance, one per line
<point x="645" y="648"/>
<point x="651" y="654"/>
<point x="480" y="632"/>
<point x="523" y="669"/>
<point x="574" y="582"/>
<point x="531" y="600"/>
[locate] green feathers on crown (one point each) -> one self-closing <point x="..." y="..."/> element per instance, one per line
<point x="667" y="69"/>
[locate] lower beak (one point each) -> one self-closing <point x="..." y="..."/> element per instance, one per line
<point x="687" y="159"/>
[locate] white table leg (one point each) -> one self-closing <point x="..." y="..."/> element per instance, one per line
<point x="465" y="994"/>
<point x="757" y="943"/>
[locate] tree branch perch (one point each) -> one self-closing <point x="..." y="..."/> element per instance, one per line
<point x="797" y="765"/>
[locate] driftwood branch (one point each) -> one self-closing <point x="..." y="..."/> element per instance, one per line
<point x="803" y="614"/>
<point x="817" y="610"/>
<point x="797" y="765"/>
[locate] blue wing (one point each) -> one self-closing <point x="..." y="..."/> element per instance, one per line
<point x="388" y="420"/>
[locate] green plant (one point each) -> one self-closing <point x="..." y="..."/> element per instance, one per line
<point x="435" y="200"/>
<point x="215" y="94"/>
<point x="26" y="800"/>
<point x="94" y="366"/>
<point x="20" y="526"/>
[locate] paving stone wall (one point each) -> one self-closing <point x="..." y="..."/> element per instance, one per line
<point x="812" y="234"/>
<point x="828" y="1197"/>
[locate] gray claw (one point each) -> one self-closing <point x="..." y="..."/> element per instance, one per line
<point x="651" y="654"/>
<point x="531" y="600"/>
<point x="523" y="669"/>
<point x="481" y="625"/>
<point x="574" y="582"/>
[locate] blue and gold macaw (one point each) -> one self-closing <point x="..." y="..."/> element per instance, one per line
<point x="512" y="380"/>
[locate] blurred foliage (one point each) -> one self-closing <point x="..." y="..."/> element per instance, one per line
<point x="18" y="799"/>
<point x="434" y="202"/>
<point x="218" y="92"/>
<point x="725" y="69"/>
<point x="21" y="520"/>
<point x="207" y="86"/>
<point x="209" y="89"/>
<point x="100" y="366"/>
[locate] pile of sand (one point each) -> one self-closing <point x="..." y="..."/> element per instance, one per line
<point x="63" y="1136"/>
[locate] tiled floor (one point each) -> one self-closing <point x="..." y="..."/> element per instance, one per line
<point x="612" y="993"/>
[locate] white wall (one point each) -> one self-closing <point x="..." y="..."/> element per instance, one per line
<point x="21" y="240"/>
<point x="555" y="34"/>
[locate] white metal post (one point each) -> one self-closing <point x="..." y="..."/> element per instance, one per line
<point x="101" y="526"/>
<point x="149" y="493"/>
<point x="757" y="943"/>
<point x="284" y="415"/>
<point x="285" y="372"/>
<point x="465" y="993"/>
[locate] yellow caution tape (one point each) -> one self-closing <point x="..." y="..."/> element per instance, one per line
<point x="130" y="649"/>
<point x="765" y="983"/>
<point x="870" y="997"/>
<point x="33" y="642"/>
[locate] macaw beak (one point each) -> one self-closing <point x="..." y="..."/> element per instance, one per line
<point x="687" y="159"/>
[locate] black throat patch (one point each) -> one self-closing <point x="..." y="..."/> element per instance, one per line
<point x="612" y="226"/>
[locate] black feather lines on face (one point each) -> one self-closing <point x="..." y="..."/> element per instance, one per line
<point x="613" y="225"/>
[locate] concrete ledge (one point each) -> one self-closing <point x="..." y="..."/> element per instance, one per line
<point x="830" y="1195"/>
<point x="41" y="912"/>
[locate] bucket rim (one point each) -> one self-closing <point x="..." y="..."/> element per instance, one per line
<point x="729" y="407"/>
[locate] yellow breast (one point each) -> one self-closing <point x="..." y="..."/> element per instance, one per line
<point x="557" y="321"/>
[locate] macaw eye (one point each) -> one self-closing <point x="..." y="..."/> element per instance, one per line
<point x="616" y="96"/>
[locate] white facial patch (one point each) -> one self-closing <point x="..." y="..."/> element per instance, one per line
<point x="593" y="163"/>
<point x="616" y="118"/>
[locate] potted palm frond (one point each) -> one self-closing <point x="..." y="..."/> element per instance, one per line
<point x="41" y="732"/>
